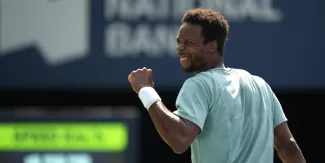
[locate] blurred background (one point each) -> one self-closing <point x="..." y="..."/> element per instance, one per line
<point x="64" y="64"/>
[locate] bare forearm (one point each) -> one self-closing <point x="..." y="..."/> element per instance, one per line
<point x="291" y="153"/>
<point x="170" y="127"/>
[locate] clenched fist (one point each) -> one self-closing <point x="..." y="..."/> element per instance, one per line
<point x="141" y="78"/>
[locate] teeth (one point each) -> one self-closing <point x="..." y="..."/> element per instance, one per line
<point x="183" y="58"/>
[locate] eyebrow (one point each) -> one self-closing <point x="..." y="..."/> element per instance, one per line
<point x="190" y="40"/>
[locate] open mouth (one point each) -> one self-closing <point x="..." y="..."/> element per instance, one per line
<point x="183" y="59"/>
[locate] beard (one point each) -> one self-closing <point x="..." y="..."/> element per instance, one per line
<point x="195" y="63"/>
<point x="189" y="69"/>
<point x="193" y="66"/>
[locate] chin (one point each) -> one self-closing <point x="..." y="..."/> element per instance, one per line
<point x="187" y="69"/>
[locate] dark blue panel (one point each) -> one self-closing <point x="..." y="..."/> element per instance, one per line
<point x="286" y="50"/>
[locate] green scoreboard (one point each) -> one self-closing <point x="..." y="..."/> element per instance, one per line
<point x="69" y="135"/>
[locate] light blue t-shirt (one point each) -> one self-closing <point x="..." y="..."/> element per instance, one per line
<point x="237" y="113"/>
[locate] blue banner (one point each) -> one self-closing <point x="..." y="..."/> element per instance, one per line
<point x="96" y="44"/>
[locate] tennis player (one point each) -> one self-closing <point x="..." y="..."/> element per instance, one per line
<point x="225" y="115"/>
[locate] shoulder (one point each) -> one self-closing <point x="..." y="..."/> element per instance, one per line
<point x="262" y="83"/>
<point x="242" y="72"/>
<point x="199" y="86"/>
<point x="199" y="81"/>
<point x="195" y="86"/>
<point x="192" y="85"/>
<point x="259" y="80"/>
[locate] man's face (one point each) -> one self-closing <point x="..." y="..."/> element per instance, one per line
<point x="191" y="48"/>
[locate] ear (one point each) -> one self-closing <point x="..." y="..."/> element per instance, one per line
<point x="213" y="47"/>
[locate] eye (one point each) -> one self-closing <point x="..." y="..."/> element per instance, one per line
<point x="189" y="43"/>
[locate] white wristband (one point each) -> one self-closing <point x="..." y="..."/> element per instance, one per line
<point x="148" y="96"/>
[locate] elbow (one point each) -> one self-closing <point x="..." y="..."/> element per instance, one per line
<point x="180" y="149"/>
<point x="180" y="146"/>
<point x="181" y="140"/>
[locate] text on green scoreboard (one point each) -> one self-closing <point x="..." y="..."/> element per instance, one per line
<point x="111" y="137"/>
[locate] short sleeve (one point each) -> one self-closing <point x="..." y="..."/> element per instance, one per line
<point x="278" y="114"/>
<point x="192" y="102"/>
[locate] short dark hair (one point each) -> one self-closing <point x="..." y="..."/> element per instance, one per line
<point x="213" y="23"/>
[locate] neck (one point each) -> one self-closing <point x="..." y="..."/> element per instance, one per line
<point x="219" y="65"/>
<point x="214" y="63"/>
<point x="211" y="66"/>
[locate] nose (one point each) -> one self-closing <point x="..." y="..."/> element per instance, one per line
<point x="180" y="47"/>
